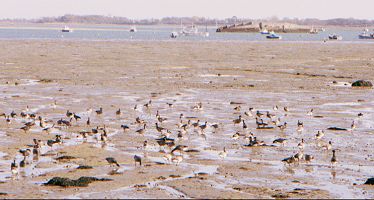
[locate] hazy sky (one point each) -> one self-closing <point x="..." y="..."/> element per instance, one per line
<point x="322" y="9"/>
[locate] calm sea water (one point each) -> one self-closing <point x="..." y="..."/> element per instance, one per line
<point x="156" y="33"/>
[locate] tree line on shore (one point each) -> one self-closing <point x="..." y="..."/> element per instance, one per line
<point x="100" y="19"/>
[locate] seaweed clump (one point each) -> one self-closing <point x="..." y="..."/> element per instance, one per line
<point x="80" y="182"/>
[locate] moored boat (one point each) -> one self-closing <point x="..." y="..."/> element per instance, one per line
<point x="366" y="35"/>
<point x="335" y="37"/>
<point x="274" y="36"/>
<point x="66" y="29"/>
<point x="265" y="32"/>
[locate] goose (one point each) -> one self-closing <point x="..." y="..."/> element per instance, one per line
<point x="183" y="130"/>
<point x="25" y="128"/>
<point x="76" y="117"/>
<point x="25" y="152"/>
<point x="245" y="127"/>
<point x="42" y="123"/>
<point x="95" y="130"/>
<point x="260" y="123"/>
<point x="138" y="159"/>
<point x="281" y="141"/>
<point x="285" y="109"/>
<point x="270" y="116"/>
<point x="30" y="124"/>
<point x="333" y="159"/>
<point x="283" y="126"/>
<point x="185" y="126"/>
<point x="88" y="122"/>
<point x="13" y="114"/>
<point x="112" y="161"/>
<point x="100" y="111"/>
<point x="48" y="129"/>
<point x="22" y="164"/>
<point x="237" y="108"/>
<point x="166" y="134"/>
<point x="8" y="120"/>
<point x="125" y="127"/>
<point x="169" y="104"/>
<point x="300" y="124"/>
<point x="223" y="154"/>
<point x="308" y="158"/>
<point x="69" y="114"/>
<point x="177" y="159"/>
<point x="36" y="151"/>
<point x="159" y="128"/>
<point x="118" y="112"/>
<point x="37" y="142"/>
<point x="142" y="130"/>
<point x="139" y="121"/>
<point x="167" y="157"/>
<point x="360" y="115"/>
<point x="259" y="114"/>
<point x="290" y="160"/>
<point x="196" y="124"/>
<point x="145" y="144"/>
<point x="14" y="167"/>
<point x="276" y="122"/>
<point x="180" y="135"/>
<point x="235" y="136"/>
<point x="215" y="126"/>
<point x="327" y="146"/>
<point x="320" y="134"/>
<point x="64" y="122"/>
<point x="161" y="119"/>
<point x="249" y="114"/>
<point x="275" y="108"/>
<point x="310" y="113"/>
<point x="299" y="156"/>
<point x="25" y="115"/>
<point x="32" y="116"/>
<point x="179" y="148"/>
<point x="147" y="105"/>
<point x="353" y="126"/>
<point x="104" y="137"/>
<point x="203" y="127"/>
<point x="238" y="120"/>
<point x="256" y="142"/>
<point x="157" y="114"/>
<point x="301" y="145"/>
<point x="198" y="106"/>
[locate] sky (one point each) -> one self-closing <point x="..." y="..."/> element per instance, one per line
<point x="141" y="9"/>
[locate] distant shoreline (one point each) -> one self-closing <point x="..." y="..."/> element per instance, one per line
<point x="72" y="25"/>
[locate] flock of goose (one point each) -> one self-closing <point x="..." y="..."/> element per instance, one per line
<point x="171" y="143"/>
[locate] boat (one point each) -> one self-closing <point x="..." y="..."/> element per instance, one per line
<point x="313" y="31"/>
<point x="366" y="34"/>
<point x="265" y="32"/>
<point x="133" y="29"/>
<point x="66" y="29"/>
<point x="206" y="33"/>
<point x="190" y="31"/>
<point x="174" y="34"/>
<point x="274" y="36"/>
<point x="335" y="37"/>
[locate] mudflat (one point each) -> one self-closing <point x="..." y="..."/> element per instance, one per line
<point x="82" y="76"/>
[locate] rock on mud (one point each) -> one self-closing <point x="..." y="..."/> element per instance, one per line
<point x="80" y="182"/>
<point x="362" y="83"/>
<point x="370" y="181"/>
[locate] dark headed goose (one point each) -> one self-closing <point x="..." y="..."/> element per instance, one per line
<point x="112" y="161"/>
